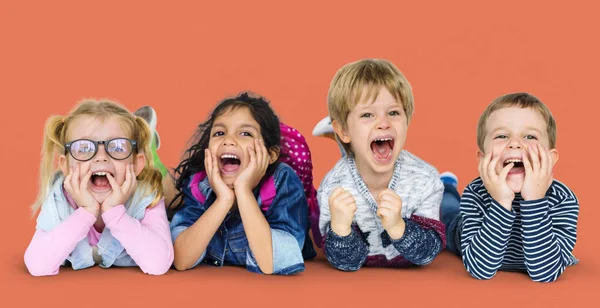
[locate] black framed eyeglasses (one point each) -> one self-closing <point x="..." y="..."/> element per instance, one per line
<point x="85" y="149"/>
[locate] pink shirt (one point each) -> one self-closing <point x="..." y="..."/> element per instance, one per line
<point x="147" y="241"/>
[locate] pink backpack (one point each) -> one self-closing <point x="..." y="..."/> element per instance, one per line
<point x="295" y="153"/>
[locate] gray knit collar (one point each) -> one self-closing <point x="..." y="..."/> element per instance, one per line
<point x="362" y="186"/>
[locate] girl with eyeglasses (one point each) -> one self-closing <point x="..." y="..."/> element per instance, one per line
<point x="101" y="199"/>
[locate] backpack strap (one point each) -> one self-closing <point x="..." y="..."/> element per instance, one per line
<point x="267" y="190"/>
<point x="198" y="177"/>
<point x="267" y="193"/>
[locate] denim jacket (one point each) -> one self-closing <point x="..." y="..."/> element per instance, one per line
<point x="287" y="216"/>
<point x="56" y="209"/>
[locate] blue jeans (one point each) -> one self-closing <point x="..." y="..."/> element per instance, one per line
<point x="451" y="218"/>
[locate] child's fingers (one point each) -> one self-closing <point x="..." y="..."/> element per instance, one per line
<point x="384" y="213"/>
<point x="214" y="167"/>
<point x="252" y="155"/>
<point x="491" y="168"/>
<point x="207" y="161"/>
<point x="128" y="179"/>
<point x="113" y="183"/>
<point x="337" y="191"/>
<point x="67" y="182"/>
<point x="75" y="179"/>
<point x="83" y="186"/>
<point x="535" y="158"/>
<point x="526" y="163"/>
<point x="345" y="198"/>
<point x="505" y="171"/>
<point x="389" y="195"/>
<point x="133" y="184"/>
<point x="258" y="146"/>
<point x="543" y="159"/>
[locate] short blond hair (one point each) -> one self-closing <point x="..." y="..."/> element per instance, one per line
<point x="522" y="100"/>
<point x="350" y="81"/>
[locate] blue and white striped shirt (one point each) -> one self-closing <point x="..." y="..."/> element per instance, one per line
<point x="537" y="236"/>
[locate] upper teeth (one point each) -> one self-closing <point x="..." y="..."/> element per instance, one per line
<point x="508" y="161"/>
<point x="100" y="173"/>
<point x="229" y="156"/>
<point x="384" y="139"/>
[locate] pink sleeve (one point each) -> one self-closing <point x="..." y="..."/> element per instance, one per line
<point x="148" y="241"/>
<point x="48" y="250"/>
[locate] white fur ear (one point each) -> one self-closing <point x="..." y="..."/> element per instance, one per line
<point x="139" y="163"/>
<point x="340" y="131"/>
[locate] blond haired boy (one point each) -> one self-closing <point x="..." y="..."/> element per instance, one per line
<point x="379" y="204"/>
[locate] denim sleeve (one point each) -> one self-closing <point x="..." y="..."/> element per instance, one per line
<point x="288" y="218"/>
<point x="188" y="214"/>
<point x="346" y="253"/>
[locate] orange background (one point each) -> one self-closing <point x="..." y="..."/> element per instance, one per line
<point x="182" y="58"/>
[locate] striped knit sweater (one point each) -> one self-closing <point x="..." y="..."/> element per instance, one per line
<point x="537" y="236"/>
<point x="421" y="190"/>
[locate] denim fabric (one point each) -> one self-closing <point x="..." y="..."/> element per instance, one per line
<point x="450" y="216"/>
<point x="287" y="216"/>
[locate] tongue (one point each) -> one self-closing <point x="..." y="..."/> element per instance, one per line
<point x="381" y="149"/>
<point x="231" y="167"/>
<point x="100" y="181"/>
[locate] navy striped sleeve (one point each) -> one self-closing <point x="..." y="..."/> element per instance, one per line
<point x="485" y="233"/>
<point x="549" y="233"/>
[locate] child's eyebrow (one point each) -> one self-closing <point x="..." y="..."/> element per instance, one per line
<point x="529" y="128"/>
<point x="243" y="125"/>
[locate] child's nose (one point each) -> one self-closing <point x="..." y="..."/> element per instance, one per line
<point x="515" y="144"/>
<point x="228" y="140"/>
<point x="383" y="123"/>
<point x="101" y="156"/>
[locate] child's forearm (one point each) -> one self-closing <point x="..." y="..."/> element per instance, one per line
<point x="48" y="250"/>
<point x="257" y="230"/>
<point x="346" y="253"/>
<point x="421" y="241"/>
<point x="148" y="241"/>
<point x="547" y="252"/>
<point x="484" y="239"/>
<point x="191" y="243"/>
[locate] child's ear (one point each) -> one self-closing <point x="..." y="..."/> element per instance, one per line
<point x="273" y="154"/>
<point x="63" y="163"/>
<point x="139" y="162"/>
<point x="480" y="155"/>
<point x="340" y="131"/>
<point x="554" y="155"/>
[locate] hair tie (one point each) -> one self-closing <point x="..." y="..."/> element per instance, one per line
<point x="63" y="120"/>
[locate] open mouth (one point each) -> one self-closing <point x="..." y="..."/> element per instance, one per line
<point x="230" y="163"/>
<point x="382" y="148"/>
<point x="518" y="165"/>
<point x="99" y="180"/>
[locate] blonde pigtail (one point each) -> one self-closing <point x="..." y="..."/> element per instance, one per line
<point x="51" y="147"/>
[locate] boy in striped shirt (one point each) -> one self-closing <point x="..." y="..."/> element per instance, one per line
<point x="515" y="216"/>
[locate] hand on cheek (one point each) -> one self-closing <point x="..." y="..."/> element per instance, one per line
<point x="538" y="164"/>
<point x="495" y="183"/>
<point x="77" y="186"/>
<point x="120" y="193"/>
